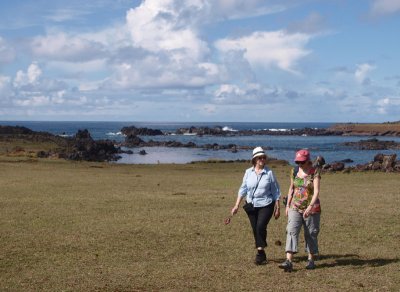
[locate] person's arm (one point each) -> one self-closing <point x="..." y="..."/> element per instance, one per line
<point x="289" y="195"/>
<point x="315" y="196"/>
<point x="276" y="193"/>
<point x="237" y="204"/>
<point x="241" y="194"/>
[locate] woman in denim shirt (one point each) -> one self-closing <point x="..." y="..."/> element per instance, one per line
<point x="261" y="189"/>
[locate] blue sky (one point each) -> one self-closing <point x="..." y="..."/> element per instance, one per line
<point x="200" y="60"/>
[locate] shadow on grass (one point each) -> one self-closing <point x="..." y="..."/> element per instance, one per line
<point x="351" y="260"/>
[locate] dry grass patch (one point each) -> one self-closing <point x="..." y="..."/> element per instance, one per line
<point x="69" y="226"/>
<point x="368" y="127"/>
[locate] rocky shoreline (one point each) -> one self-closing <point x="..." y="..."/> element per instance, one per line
<point x="83" y="147"/>
<point x="348" y="129"/>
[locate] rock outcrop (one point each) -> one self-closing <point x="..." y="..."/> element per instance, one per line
<point x="381" y="162"/>
<point x="373" y="144"/>
<point x="132" y="130"/>
<point x="83" y="147"/>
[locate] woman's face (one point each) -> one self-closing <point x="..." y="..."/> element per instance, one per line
<point x="303" y="164"/>
<point x="260" y="161"/>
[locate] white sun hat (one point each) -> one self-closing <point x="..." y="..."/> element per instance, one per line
<point x="258" y="151"/>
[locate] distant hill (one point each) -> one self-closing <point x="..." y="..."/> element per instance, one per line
<point x="369" y="129"/>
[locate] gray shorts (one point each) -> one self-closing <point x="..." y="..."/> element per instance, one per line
<point x="311" y="229"/>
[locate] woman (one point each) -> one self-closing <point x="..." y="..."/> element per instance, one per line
<point x="302" y="209"/>
<point x="261" y="189"/>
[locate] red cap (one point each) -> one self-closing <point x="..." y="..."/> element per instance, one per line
<point x="302" y="155"/>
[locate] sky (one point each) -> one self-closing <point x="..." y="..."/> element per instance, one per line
<point x="200" y="60"/>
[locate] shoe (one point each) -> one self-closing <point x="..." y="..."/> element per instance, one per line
<point x="310" y="265"/>
<point x="261" y="258"/>
<point x="287" y="266"/>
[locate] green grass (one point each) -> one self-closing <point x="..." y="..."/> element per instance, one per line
<point x="68" y="226"/>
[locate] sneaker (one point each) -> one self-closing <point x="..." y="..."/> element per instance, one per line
<point x="261" y="258"/>
<point x="287" y="266"/>
<point x="310" y="265"/>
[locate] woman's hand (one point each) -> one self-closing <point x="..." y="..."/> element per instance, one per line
<point x="307" y="212"/>
<point x="277" y="213"/>
<point x="287" y="211"/>
<point x="234" y="210"/>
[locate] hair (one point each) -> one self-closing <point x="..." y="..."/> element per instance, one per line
<point x="253" y="161"/>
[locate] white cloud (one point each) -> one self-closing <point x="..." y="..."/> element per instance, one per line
<point x="250" y="93"/>
<point x="159" y="71"/>
<point x="31" y="76"/>
<point x="160" y="26"/>
<point x="228" y="93"/>
<point x="389" y="105"/>
<point x="269" y="49"/>
<point x="60" y="46"/>
<point x="362" y="71"/>
<point x="333" y="94"/>
<point x="384" y="7"/>
<point x="39" y="100"/>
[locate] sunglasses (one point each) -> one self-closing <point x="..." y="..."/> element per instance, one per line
<point x="300" y="162"/>
<point x="261" y="158"/>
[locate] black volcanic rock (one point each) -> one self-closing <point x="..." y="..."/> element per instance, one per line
<point x="373" y="144"/>
<point x="17" y="130"/>
<point x="381" y="162"/>
<point x="133" y="141"/>
<point x="132" y="130"/>
<point x="83" y="147"/>
<point x="215" y="131"/>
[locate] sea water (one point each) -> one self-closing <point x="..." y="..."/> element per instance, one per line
<point x="283" y="147"/>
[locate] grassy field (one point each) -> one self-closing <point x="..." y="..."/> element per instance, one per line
<point x="68" y="226"/>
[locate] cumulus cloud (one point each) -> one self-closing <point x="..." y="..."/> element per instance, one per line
<point x="30" y="88"/>
<point x="269" y="49"/>
<point x="384" y="7"/>
<point x="362" y="71"/>
<point x="31" y="76"/>
<point x="159" y="71"/>
<point x="163" y="26"/>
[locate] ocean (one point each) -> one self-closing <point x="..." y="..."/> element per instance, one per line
<point x="283" y="147"/>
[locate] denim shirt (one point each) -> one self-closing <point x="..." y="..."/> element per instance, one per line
<point x="267" y="190"/>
